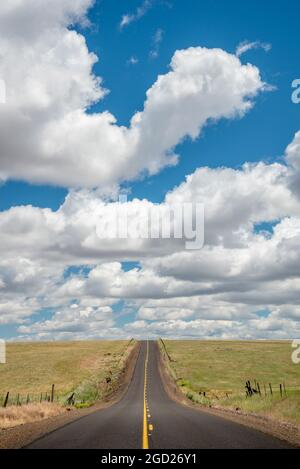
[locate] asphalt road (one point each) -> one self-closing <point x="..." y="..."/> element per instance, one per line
<point x="147" y="417"/>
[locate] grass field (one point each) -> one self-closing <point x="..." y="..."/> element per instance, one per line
<point x="84" y="367"/>
<point x="220" y="369"/>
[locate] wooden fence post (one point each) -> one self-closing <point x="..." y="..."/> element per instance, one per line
<point x="280" y="388"/>
<point x="258" y="388"/>
<point x="18" y="399"/>
<point x="265" y="390"/>
<point x="6" y="400"/>
<point x="52" y="393"/>
<point x="271" y="390"/>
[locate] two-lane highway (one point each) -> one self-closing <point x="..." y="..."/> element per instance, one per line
<point x="147" y="418"/>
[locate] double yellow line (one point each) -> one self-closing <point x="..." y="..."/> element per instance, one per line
<point x="145" y="420"/>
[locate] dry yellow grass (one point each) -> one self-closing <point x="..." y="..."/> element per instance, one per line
<point x="90" y="369"/>
<point x="34" y="367"/>
<point x="79" y="366"/>
<point x="13" y="416"/>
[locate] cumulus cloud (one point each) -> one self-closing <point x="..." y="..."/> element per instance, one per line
<point x="240" y="271"/>
<point x="51" y="87"/>
<point x="271" y="328"/>
<point x="293" y="159"/>
<point x="253" y="273"/>
<point x="245" y="283"/>
<point x="15" y="310"/>
<point x="73" y="321"/>
<point x="235" y="200"/>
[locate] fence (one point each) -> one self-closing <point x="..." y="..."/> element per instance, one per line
<point x="264" y="389"/>
<point x="252" y="389"/>
<point x="18" y="399"/>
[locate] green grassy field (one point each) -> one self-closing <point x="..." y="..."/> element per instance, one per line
<point x="83" y="367"/>
<point x="220" y="369"/>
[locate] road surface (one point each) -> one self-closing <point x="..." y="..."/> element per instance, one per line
<point x="147" y="418"/>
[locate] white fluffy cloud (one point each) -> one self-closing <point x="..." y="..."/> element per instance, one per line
<point x="50" y="82"/>
<point x="239" y="272"/>
<point x="73" y="322"/>
<point x="244" y="283"/>
<point x="235" y="200"/>
<point x="293" y="159"/>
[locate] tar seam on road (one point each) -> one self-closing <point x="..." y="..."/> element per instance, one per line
<point x="145" y="420"/>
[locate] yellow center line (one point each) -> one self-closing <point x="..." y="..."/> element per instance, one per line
<point x="145" y="422"/>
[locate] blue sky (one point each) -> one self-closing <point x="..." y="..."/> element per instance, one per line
<point x="131" y="58"/>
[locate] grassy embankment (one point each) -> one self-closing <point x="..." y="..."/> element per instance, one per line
<point x="90" y="369"/>
<point x="220" y="369"/>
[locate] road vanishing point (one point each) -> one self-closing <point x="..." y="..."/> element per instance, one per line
<point x="146" y="417"/>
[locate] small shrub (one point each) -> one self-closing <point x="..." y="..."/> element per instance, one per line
<point x="83" y="405"/>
